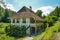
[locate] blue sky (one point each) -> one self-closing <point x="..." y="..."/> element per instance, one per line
<point x="43" y="5"/>
<point x="34" y="3"/>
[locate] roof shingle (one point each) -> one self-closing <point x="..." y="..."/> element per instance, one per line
<point x="25" y="12"/>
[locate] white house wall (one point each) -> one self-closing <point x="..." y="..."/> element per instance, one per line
<point x="27" y="24"/>
<point x="20" y="22"/>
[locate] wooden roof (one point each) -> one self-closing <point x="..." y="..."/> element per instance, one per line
<point x="25" y="12"/>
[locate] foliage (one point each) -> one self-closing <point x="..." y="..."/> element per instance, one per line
<point x="59" y="19"/>
<point x="56" y="12"/>
<point x="4" y="19"/>
<point x="50" y="20"/>
<point x="51" y="30"/>
<point x="32" y="20"/>
<point x="15" y="31"/>
<point x="43" y="16"/>
<point x="39" y="13"/>
<point x="4" y="14"/>
<point x="1" y="13"/>
<point x="3" y="35"/>
<point x="53" y="16"/>
<point x="3" y="3"/>
<point x="48" y="33"/>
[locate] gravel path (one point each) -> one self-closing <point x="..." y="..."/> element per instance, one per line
<point x="56" y="36"/>
<point x="28" y="38"/>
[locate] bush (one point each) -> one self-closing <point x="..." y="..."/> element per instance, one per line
<point x="54" y="31"/>
<point x="1" y="25"/>
<point x="59" y="19"/>
<point x="15" y="31"/>
<point x="58" y="30"/>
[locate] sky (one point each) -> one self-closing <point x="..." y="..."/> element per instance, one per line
<point x="45" y="5"/>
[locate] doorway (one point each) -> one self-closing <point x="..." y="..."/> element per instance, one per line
<point x="32" y="30"/>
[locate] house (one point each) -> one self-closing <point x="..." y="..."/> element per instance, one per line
<point x="23" y="18"/>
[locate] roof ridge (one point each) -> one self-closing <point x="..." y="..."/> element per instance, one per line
<point x="24" y="8"/>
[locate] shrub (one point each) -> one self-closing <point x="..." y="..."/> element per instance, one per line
<point x="58" y="30"/>
<point x="15" y="31"/>
<point x="59" y="19"/>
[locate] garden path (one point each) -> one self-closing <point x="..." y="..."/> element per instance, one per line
<point x="28" y="38"/>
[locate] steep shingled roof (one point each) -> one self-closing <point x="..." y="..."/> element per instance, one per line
<point x="25" y="12"/>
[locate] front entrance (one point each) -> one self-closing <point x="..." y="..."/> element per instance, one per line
<point x="32" y="30"/>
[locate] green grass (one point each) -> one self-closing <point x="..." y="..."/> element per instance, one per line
<point x="3" y="35"/>
<point x="47" y="35"/>
<point x="2" y="26"/>
<point x="38" y="37"/>
<point x="51" y="30"/>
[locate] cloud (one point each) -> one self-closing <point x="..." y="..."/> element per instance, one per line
<point x="45" y="9"/>
<point x="10" y="6"/>
<point x="1" y="5"/>
<point x="2" y="0"/>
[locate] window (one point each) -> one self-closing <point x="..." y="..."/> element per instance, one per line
<point x="17" y="20"/>
<point x="24" y="20"/>
<point x="32" y="20"/>
<point x="13" y="20"/>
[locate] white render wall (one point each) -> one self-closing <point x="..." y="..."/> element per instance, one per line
<point x="27" y="24"/>
<point x="20" y="22"/>
<point x="23" y="24"/>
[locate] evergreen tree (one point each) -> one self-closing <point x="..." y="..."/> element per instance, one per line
<point x="39" y="13"/>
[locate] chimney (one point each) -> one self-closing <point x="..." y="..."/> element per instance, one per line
<point x="30" y="7"/>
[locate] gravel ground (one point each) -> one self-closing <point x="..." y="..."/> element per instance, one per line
<point x="28" y="38"/>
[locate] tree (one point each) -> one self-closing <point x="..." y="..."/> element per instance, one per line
<point x="49" y="21"/>
<point x="1" y="9"/>
<point x="56" y="12"/>
<point x="1" y="12"/>
<point x="43" y="16"/>
<point x="6" y="15"/>
<point x="39" y="13"/>
<point x="53" y="16"/>
<point x="15" y="31"/>
<point x="3" y="3"/>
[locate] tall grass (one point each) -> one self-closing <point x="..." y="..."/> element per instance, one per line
<point x="48" y="33"/>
